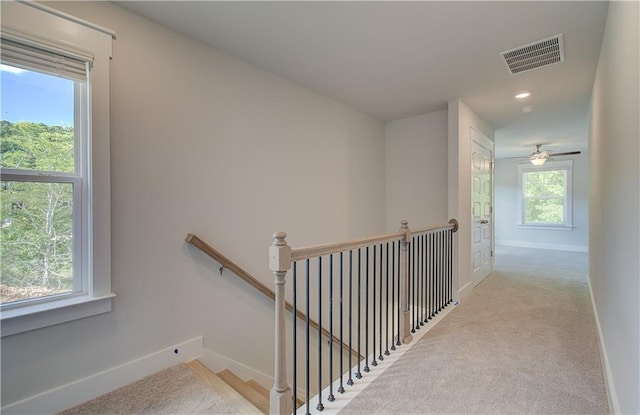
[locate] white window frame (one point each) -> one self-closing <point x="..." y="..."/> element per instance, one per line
<point x="567" y="166"/>
<point x="92" y="255"/>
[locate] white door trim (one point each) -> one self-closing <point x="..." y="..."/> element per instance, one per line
<point x="484" y="142"/>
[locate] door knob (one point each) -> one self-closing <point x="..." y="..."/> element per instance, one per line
<point x="484" y="222"/>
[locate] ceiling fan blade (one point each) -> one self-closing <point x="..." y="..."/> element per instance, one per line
<point x="568" y="153"/>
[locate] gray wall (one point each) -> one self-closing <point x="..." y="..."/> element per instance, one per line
<point x="416" y="165"/>
<point x="614" y="224"/>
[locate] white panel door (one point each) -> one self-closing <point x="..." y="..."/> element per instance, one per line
<point x="481" y="210"/>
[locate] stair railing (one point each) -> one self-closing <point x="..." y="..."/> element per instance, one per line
<point x="395" y="284"/>
<point x="251" y="280"/>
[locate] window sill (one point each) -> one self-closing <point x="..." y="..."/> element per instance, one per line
<point x="547" y="227"/>
<point x="51" y="313"/>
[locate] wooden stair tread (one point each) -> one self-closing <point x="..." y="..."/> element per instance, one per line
<point x="249" y="392"/>
<point x="235" y="399"/>
<point x="261" y="389"/>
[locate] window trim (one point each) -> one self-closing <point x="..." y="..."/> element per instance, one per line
<point x="567" y="166"/>
<point x="35" y="21"/>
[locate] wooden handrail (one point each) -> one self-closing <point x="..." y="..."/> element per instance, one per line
<point x="251" y="280"/>
<point x="452" y="224"/>
<point x="298" y="254"/>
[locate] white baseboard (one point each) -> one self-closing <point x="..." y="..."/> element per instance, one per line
<point x="614" y="406"/>
<point x="82" y="390"/>
<point x="217" y="362"/>
<point x="555" y="247"/>
<point x="465" y="291"/>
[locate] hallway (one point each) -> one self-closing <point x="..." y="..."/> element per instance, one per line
<point x="523" y="342"/>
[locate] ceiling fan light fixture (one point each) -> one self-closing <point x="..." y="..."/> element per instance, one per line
<point x="527" y="109"/>
<point x="539" y="158"/>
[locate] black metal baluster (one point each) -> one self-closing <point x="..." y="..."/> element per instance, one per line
<point x="417" y="272"/>
<point x="442" y="301"/>
<point x="320" y="406"/>
<point x="380" y="357"/>
<point x="308" y="396"/>
<point x="373" y="327"/>
<point x="441" y="270"/>
<point x="366" y="314"/>
<point x="427" y="265"/>
<point x="436" y="237"/>
<point x="294" y="299"/>
<point x="386" y="336"/>
<point x="341" y="387"/>
<point x="451" y="266"/>
<point x="358" y="373"/>
<point x="426" y="278"/>
<point x="432" y="293"/>
<point x="398" y="299"/>
<point x="419" y="322"/>
<point x="446" y="267"/>
<point x="350" y="380"/>
<point x="439" y="236"/>
<point x="416" y="295"/>
<point x="427" y="251"/>
<point x="393" y="295"/>
<point x="412" y="275"/>
<point x="421" y="282"/>
<point x="423" y="291"/>
<point x="331" y="397"/>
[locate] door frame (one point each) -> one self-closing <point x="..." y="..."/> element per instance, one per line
<point x="483" y="141"/>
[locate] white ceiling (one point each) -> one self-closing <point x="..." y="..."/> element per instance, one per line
<point x="399" y="59"/>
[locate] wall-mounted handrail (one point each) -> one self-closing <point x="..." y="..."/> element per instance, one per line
<point x="251" y="280"/>
<point x="229" y="264"/>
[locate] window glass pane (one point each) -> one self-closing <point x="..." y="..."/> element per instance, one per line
<point x="545" y="183"/>
<point x="544" y="211"/>
<point x="37" y="121"/>
<point x="36" y="243"/>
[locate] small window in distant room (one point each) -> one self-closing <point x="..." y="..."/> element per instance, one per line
<point x="544" y="195"/>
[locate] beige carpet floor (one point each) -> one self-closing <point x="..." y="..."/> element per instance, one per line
<point x="176" y="390"/>
<point x="523" y="342"/>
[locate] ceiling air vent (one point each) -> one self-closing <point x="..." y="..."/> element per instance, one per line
<point x="535" y="55"/>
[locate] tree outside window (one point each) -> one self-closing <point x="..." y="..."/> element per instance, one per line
<point x="38" y="155"/>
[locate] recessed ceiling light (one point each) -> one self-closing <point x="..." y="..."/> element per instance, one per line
<point x="523" y="95"/>
<point x="527" y="109"/>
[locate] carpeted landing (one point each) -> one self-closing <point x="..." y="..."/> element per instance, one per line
<point x="177" y="390"/>
<point x="523" y="342"/>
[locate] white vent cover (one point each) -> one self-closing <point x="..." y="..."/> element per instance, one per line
<point x="534" y="55"/>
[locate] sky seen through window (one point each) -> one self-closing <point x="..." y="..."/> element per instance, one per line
<point x="36" y="97"/>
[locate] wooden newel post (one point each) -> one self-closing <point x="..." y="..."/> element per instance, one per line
<point x="279" y="262"/>
<point x="405" y="329"/>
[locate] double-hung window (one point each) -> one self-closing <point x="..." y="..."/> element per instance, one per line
<point x="54" y="159"/>
<point x="544" y="195"/>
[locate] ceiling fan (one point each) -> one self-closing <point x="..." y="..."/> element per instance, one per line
<point x="538" y="158"/>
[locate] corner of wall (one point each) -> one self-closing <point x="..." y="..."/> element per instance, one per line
<point x="460" y="120"/>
